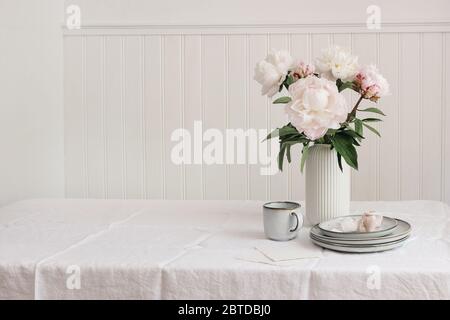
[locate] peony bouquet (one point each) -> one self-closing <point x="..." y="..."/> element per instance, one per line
<point x="317" y="110"/>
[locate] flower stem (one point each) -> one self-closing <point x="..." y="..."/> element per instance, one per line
<point x="352" y="114"/>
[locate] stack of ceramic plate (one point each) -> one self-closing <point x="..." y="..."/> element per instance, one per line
<point x="391" y="234"/>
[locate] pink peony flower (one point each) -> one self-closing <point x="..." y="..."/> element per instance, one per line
<point x="316" y="106"/>
<point x="302" y="70"/>
<point x="372" y="85"/>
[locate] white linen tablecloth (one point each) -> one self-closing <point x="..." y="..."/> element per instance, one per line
<point x="156" y="249"/>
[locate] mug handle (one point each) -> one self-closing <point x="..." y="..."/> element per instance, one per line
<point x="296" y="220"/>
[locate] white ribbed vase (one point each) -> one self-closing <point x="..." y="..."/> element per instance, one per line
<point x="327" y="187"/>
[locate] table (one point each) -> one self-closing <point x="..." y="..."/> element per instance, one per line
<point x="156" y="249"/>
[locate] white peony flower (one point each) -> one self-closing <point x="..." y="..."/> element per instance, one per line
<point x="337" y="63"/>
<point x="372" y="85"/>
<point x="316" y="106"/>
<point x="272" y="71"/>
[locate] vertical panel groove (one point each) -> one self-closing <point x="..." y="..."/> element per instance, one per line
<point x="202" y="102"/>
<point x="309" y="45"/>
<point x="443" y="117"/>
<point x="162" y="41"/>
<point x="103" y="119"/>
<point x="247" y="102"/>
<point x="122" y="117"/>
<point x="143" y="120"/>
<point x="183" y="107"/>
<point x="227" y="92"/>
<point x="85" y="119"/>
<point x="420" y="115"/>
<point x="400" y="79"/>
<point x="268" y="122"/>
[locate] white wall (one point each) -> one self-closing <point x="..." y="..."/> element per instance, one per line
<point x="31" y="104"/>
<point x="110" y="143"/>
<point x="137" y="71"/>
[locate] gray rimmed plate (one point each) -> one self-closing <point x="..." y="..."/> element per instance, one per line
<point x="402" y="230"/>
<point x="361" y="248"/>
<point x="330" y="228"/>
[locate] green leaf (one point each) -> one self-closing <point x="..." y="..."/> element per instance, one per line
<point x="331" y="131"/>
<point x="339" y="157"/>
<point x="371" y="120"/>
<point x="344" y="85"/>
<point x="286" y="130"/>
<point x="374" y="110"/>
<point x="282" y="100"/>
<point x="289" y="80"/>
<point x="305" y="152"/>
<point x="359" y="127"/>
<point x="273" y="134"/>
<point x="291" y="140"/>
<point x="344" y="146"/>
<point x="288" y="152"/>
<point x="353" y="134"/>
<point x="281" y="156"/>
<point x="355" y="142"/>
<point x="372" y="129"/>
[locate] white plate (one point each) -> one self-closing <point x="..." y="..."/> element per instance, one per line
<point x="402" y="230"/>
<point x="359" y="248"/>
<point x="361" y="243"/>
<point x="329" y="227"/>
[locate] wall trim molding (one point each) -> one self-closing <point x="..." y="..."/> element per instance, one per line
<point x="134" y="28"/>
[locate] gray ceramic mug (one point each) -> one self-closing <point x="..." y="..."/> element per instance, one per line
<point x="282" y="219"/>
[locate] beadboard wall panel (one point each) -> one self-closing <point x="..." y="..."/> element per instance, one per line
<point x="127" y="89"/>
<point x="445" y="121"/>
